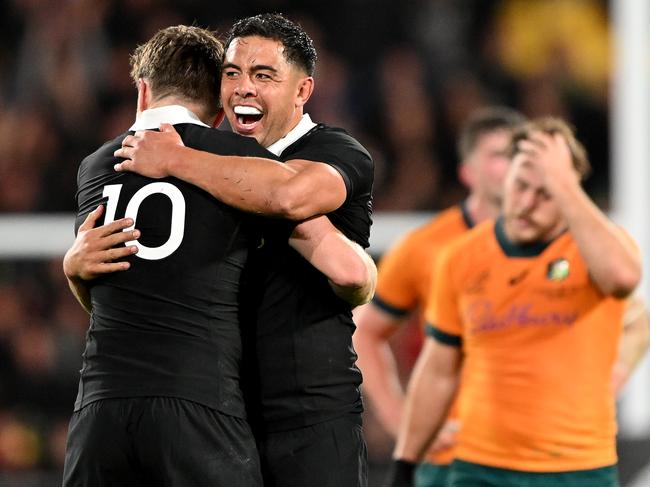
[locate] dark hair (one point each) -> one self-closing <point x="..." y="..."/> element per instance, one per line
<point x="183" y="61"/>
<point x="483" y="121"/>
<point x="551" y="126"/>
<point x="298" y="47"/>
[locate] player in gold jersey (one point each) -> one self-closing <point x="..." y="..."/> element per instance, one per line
<point x="405" y="275"/>
<point x="531" y="306"/>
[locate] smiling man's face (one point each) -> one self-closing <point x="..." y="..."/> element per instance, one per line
<point x="262" y="93"/>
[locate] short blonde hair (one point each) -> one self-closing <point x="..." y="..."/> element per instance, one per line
<point x="551" y="126"/>
<point x="183" y="61"/>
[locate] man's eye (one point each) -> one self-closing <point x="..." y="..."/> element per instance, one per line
<point x="262" y="76"/>
<point x="230" y="74"/>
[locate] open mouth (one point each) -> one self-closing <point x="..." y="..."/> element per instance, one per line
<point x="247" y="116"/>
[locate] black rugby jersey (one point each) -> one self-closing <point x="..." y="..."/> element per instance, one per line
<point x="169" y="326"/>
<point x="305" y="358"/>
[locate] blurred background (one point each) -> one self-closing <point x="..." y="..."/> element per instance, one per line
<point x="399" y="76"/>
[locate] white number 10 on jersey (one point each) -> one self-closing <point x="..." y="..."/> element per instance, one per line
<point x="112" y="192"/>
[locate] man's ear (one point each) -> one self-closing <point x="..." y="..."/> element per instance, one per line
<point x="144" y="95"/>
<point x="466" y="175"/>
<point x="305" y="89"/>
<point x="218" y="119"/>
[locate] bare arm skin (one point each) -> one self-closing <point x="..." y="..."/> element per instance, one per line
<point x="611" y="256"/>
<point x="634" y="341"/>
<point x="351" y="271"/>
<point x="429" y="395"/>
<point x="381" y="382"/>
<point x="94" y="252"/>
<point x="295" y="190"/>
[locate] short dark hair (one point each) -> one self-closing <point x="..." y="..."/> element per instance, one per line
<point x="183" y="61"/>
<point x="483" y="121"/>
<point x="552" y="126"/>
<point x="298" y="47"/>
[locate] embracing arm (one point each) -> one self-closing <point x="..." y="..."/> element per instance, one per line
<point x="95" y="251"/>
<point x="350" y="270"/>
<point x="295" y="190"/>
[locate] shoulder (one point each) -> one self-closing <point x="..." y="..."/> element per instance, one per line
<point x="440" y="230"/>
<point x="108" y="147"/>
<point x="221" y="142"/>
<point x="103" y="155"/>
<point x="474" y="243"/>
<point x="331" y="140"/>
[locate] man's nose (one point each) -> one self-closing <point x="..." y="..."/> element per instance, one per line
<point x="245" y="87"/>
<point x="528" y="200"/>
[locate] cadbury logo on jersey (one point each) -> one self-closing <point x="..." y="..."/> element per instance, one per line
<point x="558" y="270"/>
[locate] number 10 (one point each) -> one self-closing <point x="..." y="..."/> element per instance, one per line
<point x="177" y="230"/>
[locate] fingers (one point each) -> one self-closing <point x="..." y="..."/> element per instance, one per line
<point x="124" y="165"/>
<point x="130" y="140"/>
<point x="127" y="150"/>
<point x="107" y="268"/>
<point x="167" y="127"/>
<point x="119" y="238"/>
<point x="113" y="267"/>
<point x="115" y="226"/>
<point x="91" y="218"/>
<point x="111" y="255"/>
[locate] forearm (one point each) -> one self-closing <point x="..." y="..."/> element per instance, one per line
<point x="355" y="287"/>
<point x="81" y="292"/>
<point x="636" y="337"/>
<point x="428" y="398"/>
<point x="349" y="269"/>
<point x="611" y="256"/>
<point x="247" y="183"/>
<point x="381" y="384"/>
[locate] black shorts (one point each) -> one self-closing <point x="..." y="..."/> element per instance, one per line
<point x="158" y="441"/>
<point x="329" y="454"/>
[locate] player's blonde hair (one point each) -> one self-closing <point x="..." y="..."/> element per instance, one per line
<point x="183" y="61"/>
<point x="551" y="126"/>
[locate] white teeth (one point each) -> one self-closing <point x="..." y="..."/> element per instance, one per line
<point x="246" y="110"/>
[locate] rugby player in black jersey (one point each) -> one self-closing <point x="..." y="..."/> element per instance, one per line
<point x="159" y="398"/>
<point x="309" y="432"/>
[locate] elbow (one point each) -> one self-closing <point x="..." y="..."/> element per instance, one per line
<point x="624" y="281"/>
<point x="289" y="204"/>
<point x="358" y="273"/>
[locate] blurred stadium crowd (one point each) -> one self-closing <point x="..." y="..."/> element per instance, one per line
<point x="400" y="76"/>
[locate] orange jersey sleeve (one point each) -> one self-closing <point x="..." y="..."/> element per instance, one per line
<point x="405" y="271"/>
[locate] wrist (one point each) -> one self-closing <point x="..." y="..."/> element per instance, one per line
<point x="403" y="471"/>
<point x="172" y="164"/>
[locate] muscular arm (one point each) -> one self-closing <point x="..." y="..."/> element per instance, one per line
<point x="429" y="395"/>
<point x="611" y="256"/>
<point x="376" y="360"/>
<point x="295" y="190"/>
<point x="350" y="270"/>
<point x="634" y="341"/>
